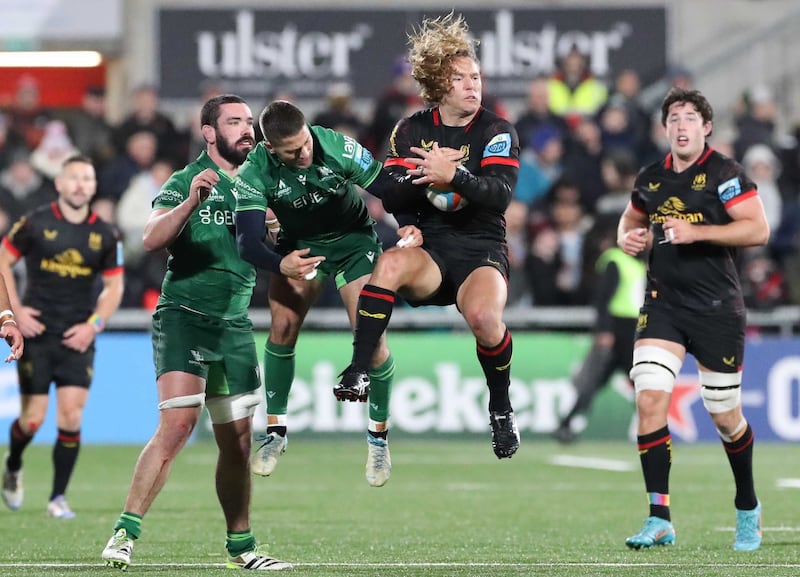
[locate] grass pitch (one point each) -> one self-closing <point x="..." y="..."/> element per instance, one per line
<point x="450" y="509"/>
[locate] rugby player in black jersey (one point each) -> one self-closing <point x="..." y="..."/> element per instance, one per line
<point x="448" y="257"/>
<point x="692" y="210"/>
<point x="65" y="247"/>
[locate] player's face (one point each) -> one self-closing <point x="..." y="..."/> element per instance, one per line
<point x="464" y="97"/>
<point x="76" y="184"/>
<point x="296" y="151"/>
<point x="235" y="136"/>
<point x="686" y="130"/>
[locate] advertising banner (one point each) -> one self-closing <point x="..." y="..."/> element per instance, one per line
<point x="439" y="389"/>
<point x="259" y="52"/>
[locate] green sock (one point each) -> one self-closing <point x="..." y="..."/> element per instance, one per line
<point x="131" y="522"/>
<point x="239" y="542"/>
<point x="278" y="376"/>
<point x="380" y="390"/>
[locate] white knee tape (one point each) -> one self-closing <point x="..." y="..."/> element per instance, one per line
<point x="654" y="369"/>
<point x="721" y="392"/>
<point x="228" y="409"/>
<point x="739" y="428"/>
<point x="185" y="402"/>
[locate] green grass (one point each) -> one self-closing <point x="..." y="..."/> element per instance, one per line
<point x="450" y="509"/>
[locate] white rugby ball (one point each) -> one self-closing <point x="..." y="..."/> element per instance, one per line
<point x="446" y="201"/>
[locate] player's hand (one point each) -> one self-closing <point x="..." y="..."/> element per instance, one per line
<point x="13" y="336"/>
<point x="28" y="321"/>
<point x="437" y="165"/>
<point x="202" y="184"/>
<point x="79" y="337"/>
<point x="410" y="236"/>
<point x="635" y="241"/>
<point x="299" y="266"/>
<point x="678" y="231"/>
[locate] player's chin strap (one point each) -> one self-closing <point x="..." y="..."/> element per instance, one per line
<point x="185" y="402"/>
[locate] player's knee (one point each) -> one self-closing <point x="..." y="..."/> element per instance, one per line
<point x="284" y="328"/>
<point x="721" y="392"/>
<point x="231" y="408"/>
<point x="390" y="267"/>
<point x="654" y="369"/>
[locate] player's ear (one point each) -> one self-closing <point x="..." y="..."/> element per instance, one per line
<point x="209" y="134"/>
<point x="707" y="128"/>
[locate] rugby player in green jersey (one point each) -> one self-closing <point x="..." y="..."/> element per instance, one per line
<point x="203" y="343"/>
<point x="308" y="175"/>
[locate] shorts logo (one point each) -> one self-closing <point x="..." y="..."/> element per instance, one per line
<point x="641" y="324"/>
<point x="270" y="394"/>
<point x="379" y="316"/>
<point x="730" y="361"/>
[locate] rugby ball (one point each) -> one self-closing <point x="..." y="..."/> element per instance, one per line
<point x="444" y="200"/>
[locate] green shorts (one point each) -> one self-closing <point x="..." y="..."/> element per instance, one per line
<point x="347" y="258"/>
<point x="223" y="352"/>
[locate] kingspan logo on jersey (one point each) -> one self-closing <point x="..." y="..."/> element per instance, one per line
<point x="674" y="207"/>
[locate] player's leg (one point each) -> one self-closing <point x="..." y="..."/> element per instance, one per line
<point x="70" y="400"/>
<point x="289" y="302"/>
<point x="481" y="299"/>
<point x="411" y="271"/>
<point x="656" y="364"/>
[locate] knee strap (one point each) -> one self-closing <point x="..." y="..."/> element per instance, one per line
<point x="654" y="369"/>
<point x="184" y="402"/>
<point x="721" y="392"/>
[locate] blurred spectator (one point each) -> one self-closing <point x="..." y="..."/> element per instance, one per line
<point x="616" y="132"/>
<point x="516" y="215"/>
<point x="54" y="148"/>
<point x="757" y="124"/>
<point x="196" y="143"/>
<point x="680" y="76"/>
<point x="540" y="164"/>
<point x="573" y="90"/>
<point x="762" y="280"/>
<point x="26" y="116"/>
<point x="627" y="92"/>
<point x="763" y="167"/>
<point x="89" y="130"/>
<point x="140" y="152"/>
<point x="11" y="143"/>
<point x="537" y="113"/>
<point x="400" y="99"/>
<point x="555" y="261"/>
<point x="619" y="169"/>
<point x="146" y="116"/>
<point x="338" y="112"/>
<point x="582" y="161"/>
<point x="22" y="188"/>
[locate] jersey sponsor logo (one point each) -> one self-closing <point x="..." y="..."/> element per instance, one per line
<point x="729" y="189"/>
<point x="653" y="186"/>
<point x="283" y="190"/>
<point x="499" y="145"/>
<point x="354" y="151"/>
<point x="379" y="316"/>
<point x="324" y="173"/>
<point x="674" y="207"/>
<point x="120" y="253"/>
<point x="217" y="217"/>
<point x="66" y="264"/>
<point x="699" y="182"/>
<point x="244" y="191"/>
<point x="95" y="241"/>
<point x="169" y="194"/>
<point x="216" y="195"/>
<point x="50" y="234"/>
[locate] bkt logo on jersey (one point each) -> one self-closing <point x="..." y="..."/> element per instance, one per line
<point x="500" y="145"/>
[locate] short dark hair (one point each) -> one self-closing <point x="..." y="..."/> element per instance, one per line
<point x="689" y="97"/>
<point x="211" y="109"/>
<point x="77" y="158"/>
<point x="280" y="119"/>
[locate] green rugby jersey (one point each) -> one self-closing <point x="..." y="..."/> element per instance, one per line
<point x="319" y="203"/>
<point x="204" y="270"/>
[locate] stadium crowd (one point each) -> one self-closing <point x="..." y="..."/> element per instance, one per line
<point x="582" y="141"/>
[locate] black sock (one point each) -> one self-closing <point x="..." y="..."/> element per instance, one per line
<point x="655" y="454"/>
<point x="496" y="365"/>
<point x="65" y="454"/>
<point x="279" y="429"/>
<point x="373" y="312"/>
<point x="740" y="456"/>
<point x="17" y="441"/>
<point x="379" y="434"/>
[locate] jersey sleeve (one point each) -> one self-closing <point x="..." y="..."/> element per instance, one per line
<point x="735" y="186"/>
<point x="636" y="198"/>
<point x="113" y="261"/>
<point x="172" y="193"/>
<point x="399" y="149"/>
<point x="249" y="187"/>
<point x="20" y="238"/>
<point x="356" y="162"/>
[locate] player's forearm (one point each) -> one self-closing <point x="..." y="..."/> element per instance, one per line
<point x="492" y="191"/>
<point x="250" y="235"/>
<point x="396" y="191"/>
<point x="14" y="301"/>
<point x="108" y="301"/>
<point x="744" y="232"/>
<point x="163" y="228"/>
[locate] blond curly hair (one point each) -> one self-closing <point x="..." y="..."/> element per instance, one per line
<point x="433" y="47"/>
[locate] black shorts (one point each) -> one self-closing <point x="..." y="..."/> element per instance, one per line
<point x="45" y="360"/>
<point x="715" y="340"/>
<point x="456" y="258"/>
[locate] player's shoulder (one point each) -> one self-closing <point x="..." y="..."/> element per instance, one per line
<point x="721" y="165"/>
